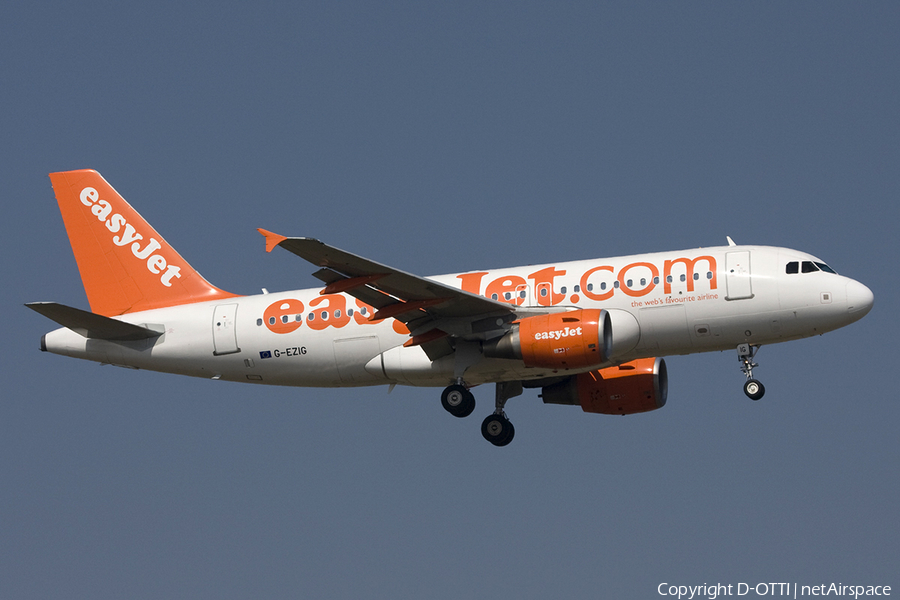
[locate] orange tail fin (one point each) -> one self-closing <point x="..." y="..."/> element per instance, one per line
<point x="124" y="264"/>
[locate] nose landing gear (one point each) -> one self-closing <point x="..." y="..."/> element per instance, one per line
<point x="752" y="387"/>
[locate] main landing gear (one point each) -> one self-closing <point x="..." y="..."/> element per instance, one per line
<point x="752" y="387"/>
<point x="458" y="400"/>
<point x="496" y="428"/>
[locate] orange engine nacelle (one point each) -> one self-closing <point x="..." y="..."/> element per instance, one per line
<point x="633" y="387"/>
<point x="566" y="340"/>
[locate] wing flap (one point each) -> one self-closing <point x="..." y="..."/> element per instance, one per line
<point x="387" y="288"/>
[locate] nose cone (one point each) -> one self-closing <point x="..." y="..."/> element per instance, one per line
<point x="859" y="299"/>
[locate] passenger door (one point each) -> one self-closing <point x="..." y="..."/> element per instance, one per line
<point x="737" y="275"/>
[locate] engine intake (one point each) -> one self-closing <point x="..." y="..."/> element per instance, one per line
<point x="633" y="387"/>
<point x="566" y="340"/>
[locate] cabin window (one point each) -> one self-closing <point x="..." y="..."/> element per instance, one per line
<point x="298" y="318"/>
<point x="656" y="280"/>
<point x="683" y="277"/>
<point x="602" y="285"/>
<point x="311" y="317"/>
<point x="590" y="287"/>
<point x="562" y="290"/>
<point x="324" y="315"/>
<point x="543" y="292"/>
<point x="337" y="314"/>
<point x="271" y="320"/>
<point x="259" y="322"/>
<point x="349" y="312"/>
<point x="577" y="288"/>
<point x="709" y="274"/>
<point x="668" y="279"/>
<point x="284" y="318"/>
<point x="494" y="297"/>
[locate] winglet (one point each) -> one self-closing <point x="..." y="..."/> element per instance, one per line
<point x="272" y="239"/>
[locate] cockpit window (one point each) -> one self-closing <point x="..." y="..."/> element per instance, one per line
<point x="809" y="267"/>
<point x="826" y="268"/>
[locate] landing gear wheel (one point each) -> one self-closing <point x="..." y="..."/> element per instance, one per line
<point x="458" y="401"/>
<point x="754" y="389"/>
<point x="497" y="430"/>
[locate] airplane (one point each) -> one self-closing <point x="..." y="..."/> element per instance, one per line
<point x="588" y="333"/>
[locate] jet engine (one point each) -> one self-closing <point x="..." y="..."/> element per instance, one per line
<point x="633" y="387"/>
<point x="565" y="340"/>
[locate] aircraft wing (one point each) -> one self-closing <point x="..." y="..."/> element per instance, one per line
<point x="431" y="310"/>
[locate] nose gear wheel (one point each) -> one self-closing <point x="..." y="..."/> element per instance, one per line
<point x="752" y="387"/>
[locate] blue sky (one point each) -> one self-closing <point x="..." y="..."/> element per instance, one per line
<point x="445" y="138"/>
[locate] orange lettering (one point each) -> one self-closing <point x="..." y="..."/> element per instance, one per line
<point x="506" y="285"/>
<point x="654" y="272"/>
<point x="471" y="282"/>
<point x="689" y="272"/>
<point x="333" y="314"/>
<point x="584" y="284"/>
<point x="362" y="315"/>
<point x="284" y="316"/>
<point x="543" y="286"/>
<point x="400" y="327"/>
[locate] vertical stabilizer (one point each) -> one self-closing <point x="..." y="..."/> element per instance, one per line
<point x="125" y="265"/>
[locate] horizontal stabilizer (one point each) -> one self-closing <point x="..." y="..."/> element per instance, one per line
<point x="92" y="325"/>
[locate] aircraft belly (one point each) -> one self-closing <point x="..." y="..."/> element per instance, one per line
<point x="410" y="366"/>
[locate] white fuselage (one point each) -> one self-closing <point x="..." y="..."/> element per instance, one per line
<point x="660" y="304"/>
